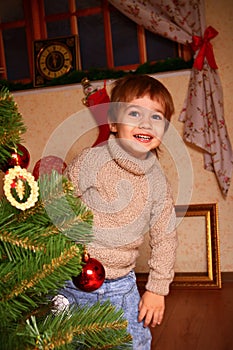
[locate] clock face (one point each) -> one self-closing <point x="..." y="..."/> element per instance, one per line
<point x="54" y="60"/>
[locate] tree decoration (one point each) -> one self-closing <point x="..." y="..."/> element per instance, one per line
<point x="92" y="275"/>
<point x="17" y="179"/>
<point x="60" y="304"/>
<point x="19" y="156"/>
<point x="47" y="164"/>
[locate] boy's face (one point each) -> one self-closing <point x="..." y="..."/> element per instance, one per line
<point x="140" y="126"/>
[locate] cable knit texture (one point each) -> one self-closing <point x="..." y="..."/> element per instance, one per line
<point x="128" y="197"/>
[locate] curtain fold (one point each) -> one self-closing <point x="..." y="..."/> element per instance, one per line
<point x="203" y="110"/>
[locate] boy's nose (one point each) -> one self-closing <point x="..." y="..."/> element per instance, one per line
<point x="145" y="122"/>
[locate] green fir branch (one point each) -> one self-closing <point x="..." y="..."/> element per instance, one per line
<point x="27" y="283"/>
<point x="100" y="326"/>
<point x="11" y="126"/>
<point x="66" y="211"/>
<point x="58" y="211"/>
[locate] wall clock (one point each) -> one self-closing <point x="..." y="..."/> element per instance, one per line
<point x="54" y="58"/>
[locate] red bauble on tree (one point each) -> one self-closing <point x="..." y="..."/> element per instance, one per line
<point x="19" y="156"/>
<point x="92" y="275"/>
<point x="47" y="164"/>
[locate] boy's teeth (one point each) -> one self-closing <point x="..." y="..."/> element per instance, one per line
<point x="143" y="137"/>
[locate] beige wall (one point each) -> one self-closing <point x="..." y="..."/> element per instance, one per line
<point x="45" y="110"/>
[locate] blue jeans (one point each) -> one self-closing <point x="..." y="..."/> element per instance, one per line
<point x="122" y="293"/>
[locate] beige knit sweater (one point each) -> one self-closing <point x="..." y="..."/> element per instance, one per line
<point x="128" y="197"/>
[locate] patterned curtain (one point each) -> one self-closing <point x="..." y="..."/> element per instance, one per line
<point x="203" y="112"/>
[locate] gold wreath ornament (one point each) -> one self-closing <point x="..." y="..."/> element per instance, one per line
<point x="15" y="178"/>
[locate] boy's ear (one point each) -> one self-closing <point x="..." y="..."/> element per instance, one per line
<point x="112" y="125"/>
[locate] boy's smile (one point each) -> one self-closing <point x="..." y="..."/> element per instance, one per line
<point x="140" y="126"/>
<point x="145" y="138"/>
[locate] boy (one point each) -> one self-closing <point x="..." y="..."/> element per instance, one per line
<point x="124" y="186"/>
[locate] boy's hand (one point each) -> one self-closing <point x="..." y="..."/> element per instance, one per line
<point x="151" y="309"/>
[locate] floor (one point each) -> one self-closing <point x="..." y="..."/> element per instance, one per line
<point x="197" y="320"/>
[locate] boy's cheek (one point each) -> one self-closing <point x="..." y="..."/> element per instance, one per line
<point x="159" y="131"/>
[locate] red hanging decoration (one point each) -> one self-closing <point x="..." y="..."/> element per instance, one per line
<point x="92" y="275"/>
<point x="20" y="156"/>
<point x="46" y="164"/>
<point x="97" y="100"/>
<point x="205" y="49"/>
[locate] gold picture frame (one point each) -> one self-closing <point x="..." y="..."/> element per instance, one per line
<point x="210" y="276"/>
<point x="203" y="259"/>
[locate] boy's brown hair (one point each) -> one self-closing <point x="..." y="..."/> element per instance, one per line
<point x="135" y="86"/>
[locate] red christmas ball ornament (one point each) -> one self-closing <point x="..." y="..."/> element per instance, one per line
<point x="46" y="164"/>
<point x="20" y="156"/>
<point x="92" y="275"/>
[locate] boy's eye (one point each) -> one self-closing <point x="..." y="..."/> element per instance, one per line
<point x="134" y="114"/>
<point x="157" y="117"/>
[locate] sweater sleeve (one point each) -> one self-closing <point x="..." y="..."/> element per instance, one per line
<point x="163" y="242"/>
<point x="73" y="170"/>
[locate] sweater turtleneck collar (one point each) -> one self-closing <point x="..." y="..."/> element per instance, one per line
<point x="128" y="162"/>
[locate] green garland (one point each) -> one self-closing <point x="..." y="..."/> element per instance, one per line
<point x="94" y="74"/>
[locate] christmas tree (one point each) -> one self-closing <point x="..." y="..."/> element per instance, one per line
<point x="43" y="232"/>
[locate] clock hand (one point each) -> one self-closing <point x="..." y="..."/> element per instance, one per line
<point x="54" y="58"/>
